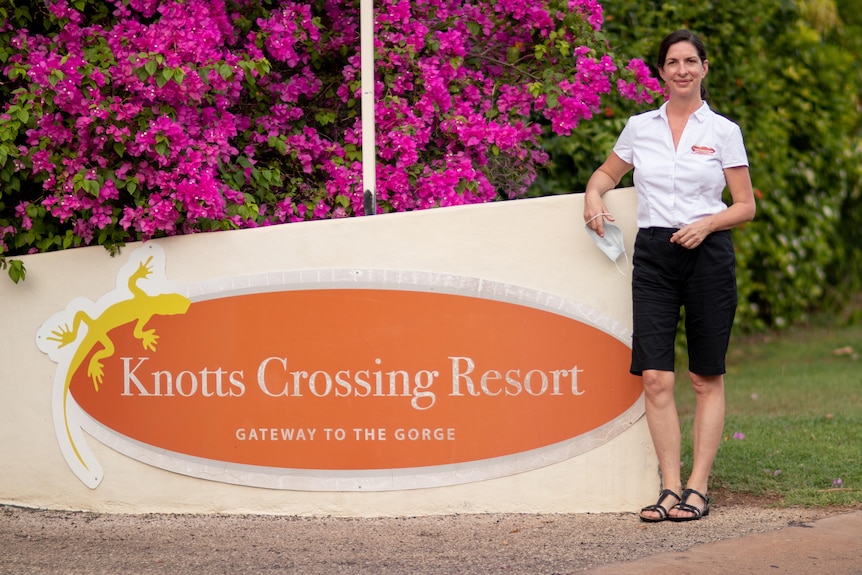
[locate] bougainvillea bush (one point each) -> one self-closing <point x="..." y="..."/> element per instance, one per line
<point x="133" y="119"/>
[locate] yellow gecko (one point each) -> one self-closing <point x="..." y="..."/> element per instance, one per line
<point x="140" y="309"/>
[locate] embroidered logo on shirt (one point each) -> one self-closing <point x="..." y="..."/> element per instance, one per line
<point x="703" y="150"/>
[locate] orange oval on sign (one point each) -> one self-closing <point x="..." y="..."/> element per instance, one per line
<point x="358" y="380"/>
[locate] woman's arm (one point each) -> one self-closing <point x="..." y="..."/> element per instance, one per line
<point x="605" y="178"/>
<point x="741" y="210"/>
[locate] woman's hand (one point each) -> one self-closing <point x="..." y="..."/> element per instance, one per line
<point x="603" y="179"/>
<point x="692" y="235"/>
<point x="595" y="213"/>
<point x="741" y="210"/>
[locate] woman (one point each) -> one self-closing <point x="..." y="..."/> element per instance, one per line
<point x="683" y="156"/>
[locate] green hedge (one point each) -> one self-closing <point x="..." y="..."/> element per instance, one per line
<point x="789" y="74"/>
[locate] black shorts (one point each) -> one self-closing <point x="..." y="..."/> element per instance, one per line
<point x="667" y="277"/>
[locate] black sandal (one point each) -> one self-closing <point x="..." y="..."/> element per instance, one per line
<point x="659" y="508"/>
<point x="684" y="505"/>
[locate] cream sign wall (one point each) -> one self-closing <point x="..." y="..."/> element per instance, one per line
<point x="431" y="362"/>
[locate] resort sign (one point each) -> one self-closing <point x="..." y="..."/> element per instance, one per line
<point x="333" y="379"/>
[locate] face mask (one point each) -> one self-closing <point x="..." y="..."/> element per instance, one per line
<point x="611" y="244"/>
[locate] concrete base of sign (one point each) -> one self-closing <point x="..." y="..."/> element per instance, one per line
<point x="535" y="244"/>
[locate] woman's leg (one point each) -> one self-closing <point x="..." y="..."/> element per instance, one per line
<point x="710" y="300"/>
<point x="663" y="422"/>
<point x="707" y="430"/>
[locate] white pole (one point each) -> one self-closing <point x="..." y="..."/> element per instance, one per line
<point x="369" y="146"/>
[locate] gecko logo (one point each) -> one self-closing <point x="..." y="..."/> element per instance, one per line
<point x="82" y="334"/>
<point x="334" y="379"/>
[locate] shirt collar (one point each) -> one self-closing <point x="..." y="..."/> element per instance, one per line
<point x="701" y="113"/>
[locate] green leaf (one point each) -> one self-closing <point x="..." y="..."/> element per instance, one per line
<point x="263" y="66"/>
<point x="91" y="187"/>
<point x="539" y="51"/>
<point x="277" y="143"/>
<point x="17" y="271"/>
<point x="512" y="54"/>
<point x="16" y="72"/>
<point x="21" y="114"/>
<point x="55" y="77"/>
<point x="563" y="47"/>
<point x="325" y="118"/>
<point x="352" y="153"/>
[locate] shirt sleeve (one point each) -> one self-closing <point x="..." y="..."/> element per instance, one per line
<point x="734" y="155"/>
<point x="623" y="147"/>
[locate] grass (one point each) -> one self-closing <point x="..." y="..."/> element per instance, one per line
<point x="794" y="417"/>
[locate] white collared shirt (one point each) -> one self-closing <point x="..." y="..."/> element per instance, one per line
<point x="676" y="187"/>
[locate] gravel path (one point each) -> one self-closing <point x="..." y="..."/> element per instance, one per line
<point x="35" y="542"/>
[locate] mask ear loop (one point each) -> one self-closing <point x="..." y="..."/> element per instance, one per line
<point x="586" y="223"/>
<point x="617" y="264"/>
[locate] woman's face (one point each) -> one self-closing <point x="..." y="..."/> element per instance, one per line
<point x="683" y="70"/>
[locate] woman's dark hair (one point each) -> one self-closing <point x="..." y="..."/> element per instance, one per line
<point x="683" y="36"/>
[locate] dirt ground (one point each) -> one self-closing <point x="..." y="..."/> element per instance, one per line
<point x="35" y="542"/>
